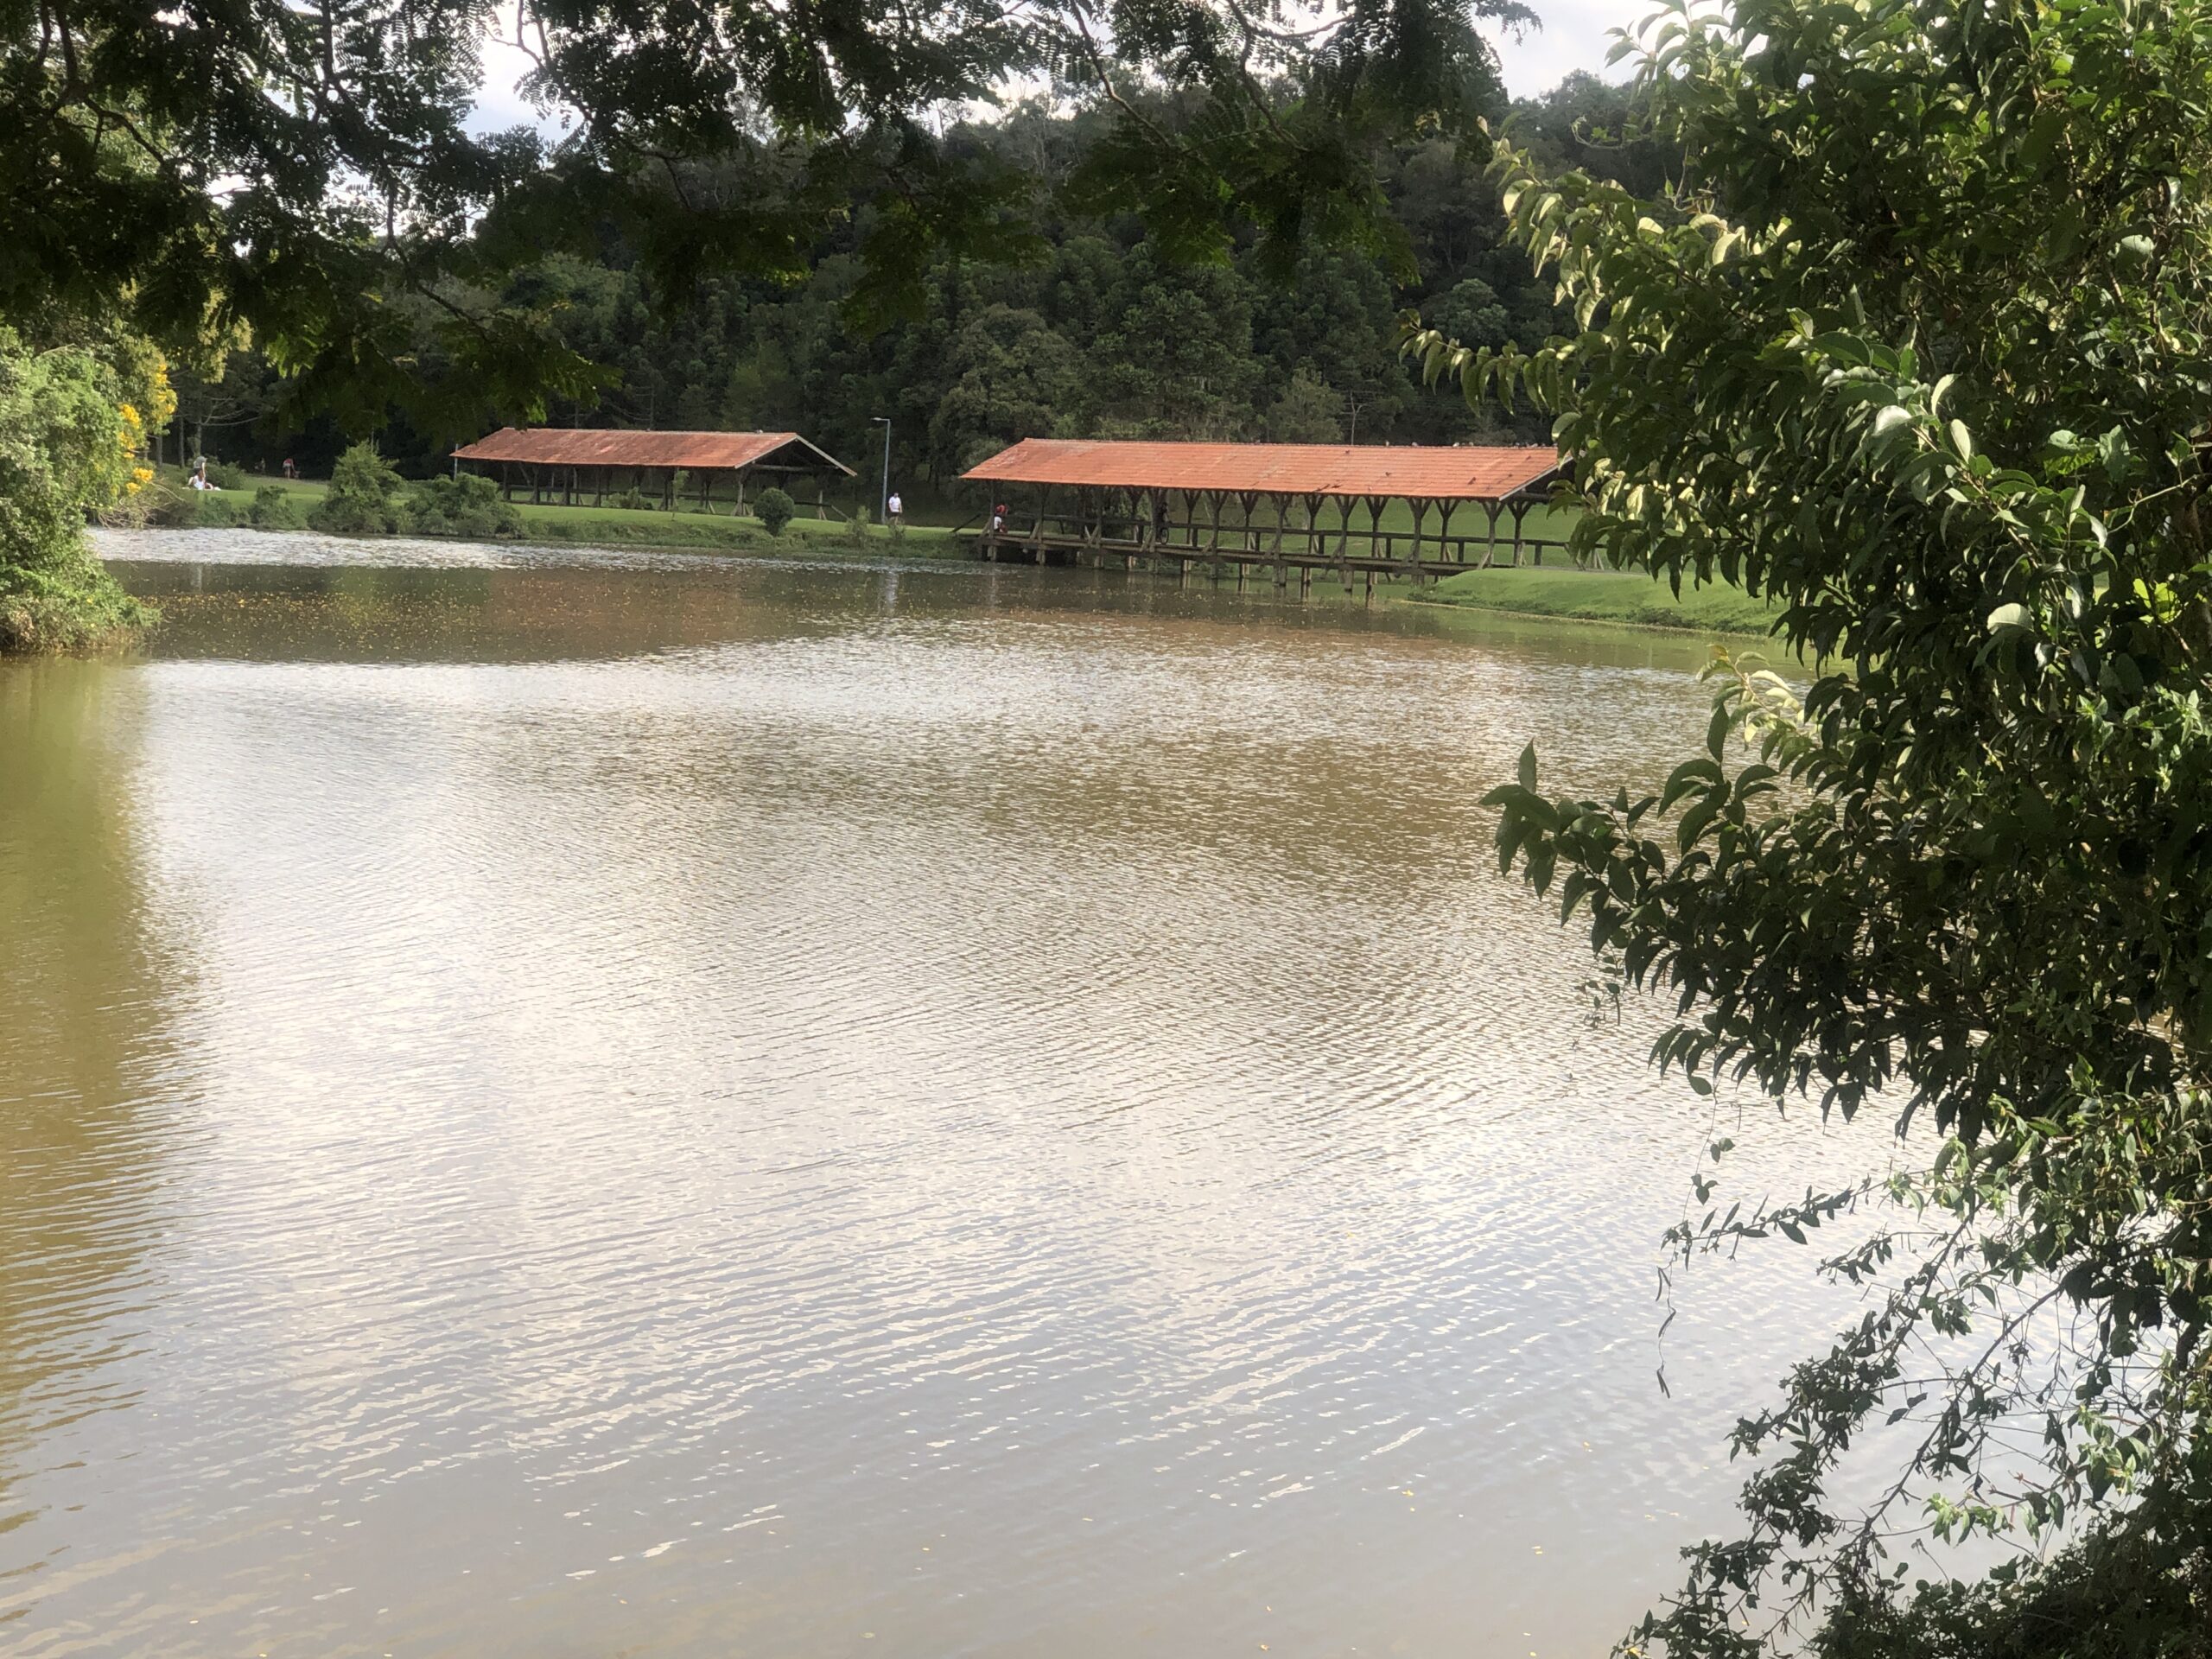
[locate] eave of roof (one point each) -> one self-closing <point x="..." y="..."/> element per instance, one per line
<point x="555" y="446"/>
<point x="1430" y="473"/>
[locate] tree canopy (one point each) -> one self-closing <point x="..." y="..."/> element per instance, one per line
<point x="1103" y="334"/>
<point x="1919" y="351"/>
<point x="307" y="176"/>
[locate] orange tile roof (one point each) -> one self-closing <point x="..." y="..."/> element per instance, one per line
<point x="1430" y="473"/>
<point x="560" y="446"/>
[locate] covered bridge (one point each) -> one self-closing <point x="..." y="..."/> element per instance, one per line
<point x="565" y="464"/>
<point x="1376" y="508"/>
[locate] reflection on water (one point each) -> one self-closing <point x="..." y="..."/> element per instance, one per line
<point x="690" y="1107"/>
<point x="83" y="1041"/>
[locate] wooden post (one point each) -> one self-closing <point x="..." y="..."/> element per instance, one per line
<point x="1489" y="547"/>
<point x="1521" y="512"/>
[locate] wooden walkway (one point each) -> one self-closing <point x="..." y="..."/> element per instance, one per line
<point x="1289" y="555"/>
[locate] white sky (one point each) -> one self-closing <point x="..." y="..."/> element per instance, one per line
<point x="1575" y="36"/>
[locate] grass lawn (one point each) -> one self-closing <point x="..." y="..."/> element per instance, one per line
<point x="717" y="532"/>
<point x="1602" y="596"/>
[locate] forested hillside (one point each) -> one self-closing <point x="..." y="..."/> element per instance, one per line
<point x="1097" y="334"/>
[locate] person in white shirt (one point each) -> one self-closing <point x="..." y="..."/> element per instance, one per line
<point x="895" y="506"/>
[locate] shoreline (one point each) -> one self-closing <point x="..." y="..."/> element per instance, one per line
<point x="1606" y="598"/>
<point x="1602" y="599"/>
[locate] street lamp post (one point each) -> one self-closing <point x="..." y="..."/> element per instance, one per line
<point x="883" y="503"/>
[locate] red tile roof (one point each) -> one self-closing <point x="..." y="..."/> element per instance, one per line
<point x="560" y="446"/>
<point x="1431" y="473"/>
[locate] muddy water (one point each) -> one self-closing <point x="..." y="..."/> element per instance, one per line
<point x="559" y="1106"/>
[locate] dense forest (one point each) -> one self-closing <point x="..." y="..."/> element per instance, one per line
<point x="1098" y="335"/>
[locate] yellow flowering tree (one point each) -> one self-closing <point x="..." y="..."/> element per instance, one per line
<point x="73" y="420"/>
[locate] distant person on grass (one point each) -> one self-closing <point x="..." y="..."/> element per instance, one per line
<point x="892" y="508"/>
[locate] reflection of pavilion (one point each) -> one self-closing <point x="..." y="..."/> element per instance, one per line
<point x="1291" y="506"/>
<point x="566" y="463"/>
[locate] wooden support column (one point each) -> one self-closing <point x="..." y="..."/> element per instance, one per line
<point x="1444" y="532"/>
<point x="1420" y="514"/>
<point x="1521" y="512"/>
<point x="1489" y="547"/>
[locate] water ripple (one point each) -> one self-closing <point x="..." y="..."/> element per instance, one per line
<point x="676" y="1107"/>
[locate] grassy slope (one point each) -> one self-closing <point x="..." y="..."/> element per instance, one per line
<point x="1602" y="596"/>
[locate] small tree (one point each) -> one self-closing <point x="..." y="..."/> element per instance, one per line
<point x="1919" y="352"/>
<point x="365" y="496"/>
<point x="774" y="509"/>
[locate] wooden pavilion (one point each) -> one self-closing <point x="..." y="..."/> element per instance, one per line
<point x="1295" y="506"/>
<point x="565" y="464"/>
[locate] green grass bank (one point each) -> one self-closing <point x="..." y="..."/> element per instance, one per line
<point x="1617" y="596"/>
<point x="682" y="530"/>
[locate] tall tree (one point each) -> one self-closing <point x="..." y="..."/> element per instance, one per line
<point x="1920" y="354"/>
<point x="306" y="173"/>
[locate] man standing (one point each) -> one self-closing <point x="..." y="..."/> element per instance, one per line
<point x="892" y="508"/>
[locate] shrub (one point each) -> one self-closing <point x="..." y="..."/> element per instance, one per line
<point x="774" y="509"/>
<point x="634" y="500"/>
<point x="215" y="510"/>
<point x="365" y="497"/>
<point x="275" y="508"/>
<point x="228" y="475"/>
<point x="71" y="428"/>
<point x="467" y="506"/>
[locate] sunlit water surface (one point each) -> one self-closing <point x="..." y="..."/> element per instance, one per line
<point x="661" y="1106"/>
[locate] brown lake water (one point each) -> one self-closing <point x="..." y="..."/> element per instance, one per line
<point x="571" y="1106"/>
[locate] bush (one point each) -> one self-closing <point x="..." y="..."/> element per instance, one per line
<point x="365" y="497"/>
<point x="467" y="506"/>
<point x="634" y="500"/>
<point x="275" y="508"/>
<point x="214" y="509"/>
<point x="228" y="475"/>
<point x="774" y="510"/>
<point x="71" y="428"/>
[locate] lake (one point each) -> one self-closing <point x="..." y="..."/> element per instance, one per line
<point x="560" y="1104"/>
